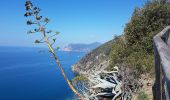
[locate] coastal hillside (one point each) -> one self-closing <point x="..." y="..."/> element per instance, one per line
<point x="85" y="50"/>
<point x="95" y="58"/>
<point x="131" y="53"/>
<point x="134" y="49"/>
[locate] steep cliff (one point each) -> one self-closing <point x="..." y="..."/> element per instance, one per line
<point x="101" y="82"/>
<point x="94" y="67"/>
<point x="96" y="58"/>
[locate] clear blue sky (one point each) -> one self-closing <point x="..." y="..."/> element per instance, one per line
<point x="78" y="21"/>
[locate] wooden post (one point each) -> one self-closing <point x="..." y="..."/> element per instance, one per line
<point x="161" y="88"/>
<point x="157" y="94"/>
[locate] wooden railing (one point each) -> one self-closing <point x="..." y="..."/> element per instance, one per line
<point x="161" y="88"/>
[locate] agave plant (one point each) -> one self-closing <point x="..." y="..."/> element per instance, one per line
<point x="47" y="36"/>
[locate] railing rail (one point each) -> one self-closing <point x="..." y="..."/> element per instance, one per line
<point x="161" y="88"/>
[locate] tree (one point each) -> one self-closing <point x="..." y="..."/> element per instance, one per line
<point x="48" y="39"/>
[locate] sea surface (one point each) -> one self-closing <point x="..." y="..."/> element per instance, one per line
<point x="28" y="74"/>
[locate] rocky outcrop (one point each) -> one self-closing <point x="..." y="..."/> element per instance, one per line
<point x="100" y="83"/>
<point x="94" y="67"/>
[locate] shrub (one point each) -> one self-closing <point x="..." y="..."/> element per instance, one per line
<point x="147" y="22"/>
<point x="143" y="96"/>
<point x="135" y="47"/>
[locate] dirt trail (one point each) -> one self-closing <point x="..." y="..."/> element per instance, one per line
<point x="147" y="83"/>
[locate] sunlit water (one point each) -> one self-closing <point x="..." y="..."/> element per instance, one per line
<point x="26" y="74"/>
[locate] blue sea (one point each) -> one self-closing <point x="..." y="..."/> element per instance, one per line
<point x="27" y="74"/>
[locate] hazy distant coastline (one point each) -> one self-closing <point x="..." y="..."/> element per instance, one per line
<point x="78" y="47"/>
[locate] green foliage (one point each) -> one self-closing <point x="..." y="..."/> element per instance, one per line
<point x="140" y="61"/>
<point x="143" y="96"/>
<point x="145" y="23"/>
<point x="118" y="49"/>
<point x="135" y="47"/>
<point x="79" y="78"/>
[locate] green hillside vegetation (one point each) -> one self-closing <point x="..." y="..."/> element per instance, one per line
<point x="135" y="47"/>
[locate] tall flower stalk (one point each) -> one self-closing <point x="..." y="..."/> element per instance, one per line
<point x="48" y="39"/>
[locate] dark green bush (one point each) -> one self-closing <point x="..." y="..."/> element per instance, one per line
<point x="145" y="23"/>
<point x="135" y="47"/>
